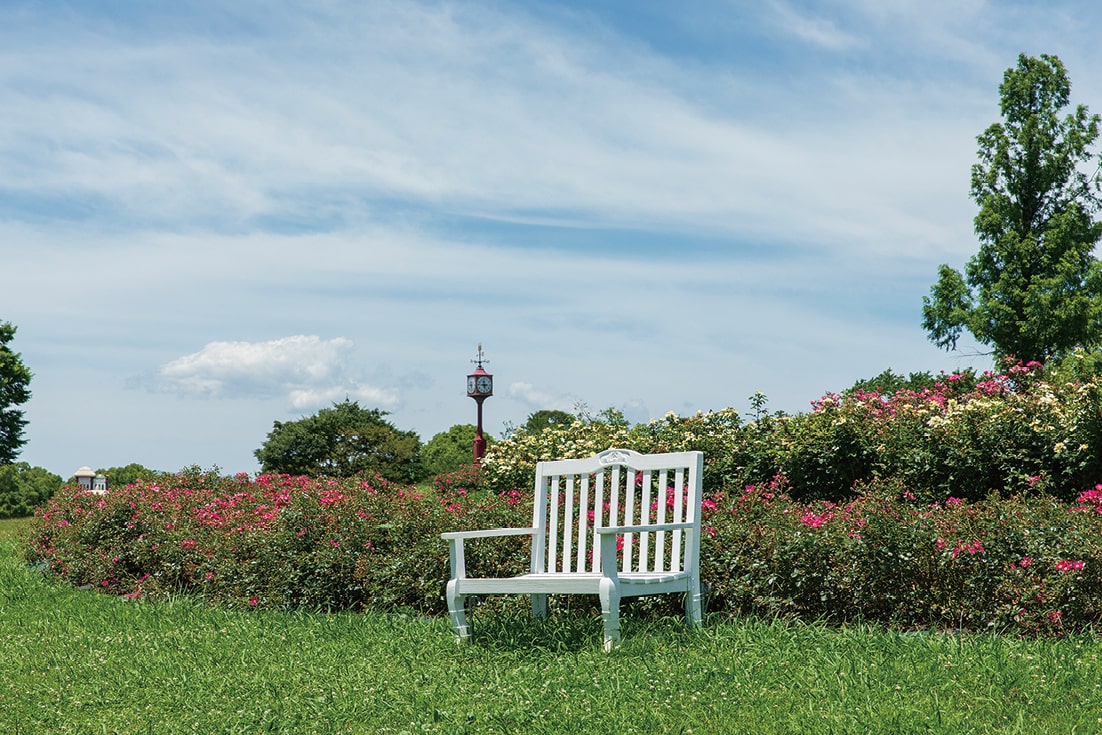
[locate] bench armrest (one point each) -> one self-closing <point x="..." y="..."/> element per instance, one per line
<point x="642" y="529"/>
<point x="487" y="533"/>
<point x="455" y="541"/>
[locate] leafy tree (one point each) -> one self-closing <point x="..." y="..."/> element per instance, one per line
<point x="889" y="383"/>
<point x="22" y="487"/>
<point x="14" y="379"/>
<point x="128" y="475"/>
<point x="540" y="420"/>
<point x="1034" y="289"/>
<point x="609" y="416"/>
<point x="451" y="450"/>
<point x="342" y="441"/>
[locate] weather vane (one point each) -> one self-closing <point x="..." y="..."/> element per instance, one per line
<point x="481" y="358"/>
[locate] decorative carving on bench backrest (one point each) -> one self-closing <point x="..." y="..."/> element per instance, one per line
<point x="614" y="456"/>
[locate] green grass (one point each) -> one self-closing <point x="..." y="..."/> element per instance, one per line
<point x="80" y="662"/>
<point x="10" y="528"/>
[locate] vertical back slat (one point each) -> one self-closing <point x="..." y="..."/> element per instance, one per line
<point x="678" y="517"/>
<point x="629" y="517"/>
<point x="598" y="517"/>
<point x="615" y="517"/>
<point x="614" y="511"/>
<point x="660" y="543"/>
<point x="583" y="524"/>
<point x="568" y="525"/>
<point x="539" y="522"/>
<point x="644" y="516"/>
<point x="553" y="526"/>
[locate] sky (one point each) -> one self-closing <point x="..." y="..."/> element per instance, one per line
<point x="215" y="216"/>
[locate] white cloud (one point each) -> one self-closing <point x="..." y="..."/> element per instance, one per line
<point x="539" y="400"/>
<point x="481" y="110"/>
<point x="306" y="370"/>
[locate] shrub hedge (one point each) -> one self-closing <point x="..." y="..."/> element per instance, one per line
<point x="1028" y="564"/>
<point x="966" y="435"/>
<point x="972" y="503"/>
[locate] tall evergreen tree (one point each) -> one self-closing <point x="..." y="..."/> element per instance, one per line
<point x="1034" y="289"/>
<point x="14" y="391"/>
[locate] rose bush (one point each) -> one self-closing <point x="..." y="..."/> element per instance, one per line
<point x="276" y="541"/>
<point x="1027" y="564"/>
<point x="973" y="502"/>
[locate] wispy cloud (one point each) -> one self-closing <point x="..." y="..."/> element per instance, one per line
<point x="812" y="27"/>
<point x="478" y="110"/>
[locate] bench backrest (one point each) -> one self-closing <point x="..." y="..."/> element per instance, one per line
<point x="617" y="487"/>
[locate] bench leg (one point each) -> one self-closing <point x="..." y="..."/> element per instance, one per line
<point x="610" y="612"/>
<point x="539" y="606"/>
<point x="693" y="605"/>
<point x="457" y="611"/>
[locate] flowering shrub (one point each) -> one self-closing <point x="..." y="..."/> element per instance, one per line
<point x="975" y="502"/>
<point x="276" y="541"/>
<point x="1026" y="564"/>
<point x="966" y="435"/>
<point x="511" y="463"/>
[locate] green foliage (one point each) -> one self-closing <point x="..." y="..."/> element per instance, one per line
<point x="127" y="475"/>
<point x="1034" y="289"/>
<point x="277" y="541"/>
<point x="14" y="391"/>
<point x="540" y="420"/>
<point x="1080" y="366"/>
<point x="1026" y="564"/>
<point x="888" y="383"/>
<point x="23" y="487"/>
<point x="1022" y="430"/>
<point x="970" y="502"/>
<point x="340" y="442"/>
<point x="511" y="463"/>
<point x="1020" y="564"/>
<point x="452" y="485"/>
<point x="451" y="450"/>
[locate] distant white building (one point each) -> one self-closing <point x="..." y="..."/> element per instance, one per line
<point x="91" y="481"/>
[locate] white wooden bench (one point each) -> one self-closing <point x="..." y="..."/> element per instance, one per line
<point x="583" y="509"/>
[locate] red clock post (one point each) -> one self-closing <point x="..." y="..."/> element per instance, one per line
<point x="480" y="386"/>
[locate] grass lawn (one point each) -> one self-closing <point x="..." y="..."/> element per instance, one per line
<point x="79" y="662"/>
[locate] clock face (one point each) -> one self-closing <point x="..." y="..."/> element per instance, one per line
<point x="470" y="384"/>
<point x="484" y="384"/>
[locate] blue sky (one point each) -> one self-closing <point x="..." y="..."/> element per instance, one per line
<point x="217" y="215"/>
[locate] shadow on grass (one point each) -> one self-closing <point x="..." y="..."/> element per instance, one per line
<point x="574" y="631"/>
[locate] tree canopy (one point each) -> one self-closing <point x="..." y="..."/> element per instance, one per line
<point x="451" y="450"/>
<point x="1034" y="289"/>
<point x="540" y="420"/>
<point x="339" y="442"/>
<point x="23" y="487"/>
<point x="15" y="380"/>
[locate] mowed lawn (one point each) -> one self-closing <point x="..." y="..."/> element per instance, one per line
<point x="75" y="661"/>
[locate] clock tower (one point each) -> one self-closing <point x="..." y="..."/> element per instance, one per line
<point x="480" y="386"/>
